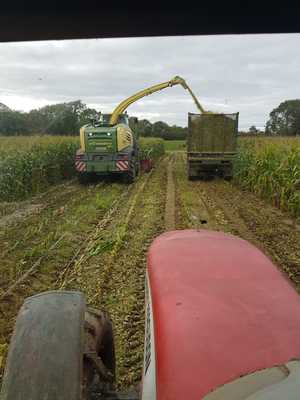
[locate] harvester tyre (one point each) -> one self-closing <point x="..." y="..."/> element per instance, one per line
<point x="130" y="176"/>
<point x="85" y="178"/>
<point x="137" y="168"/>
<point x="59" y="350"/>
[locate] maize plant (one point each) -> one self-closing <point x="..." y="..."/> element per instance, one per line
<point x="270" y="167"/>
<point x="151" y="148"/>
<point x="28" y="165"/>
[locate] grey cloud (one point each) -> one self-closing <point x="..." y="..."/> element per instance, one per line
<point x="251" y="74"/>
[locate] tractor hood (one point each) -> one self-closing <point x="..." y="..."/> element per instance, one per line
<point x="221" y="311"/>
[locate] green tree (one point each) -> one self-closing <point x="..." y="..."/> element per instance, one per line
<point x="13" y="123"/>
<point x="3" y="107"/>
<point x="61" y="118"/>
<point x="253" y="130"/>
<point x="160" y="129"/>
<point x="144" y="128"/>
<point x="176" y="133"/>
<point x="285" y="119"/>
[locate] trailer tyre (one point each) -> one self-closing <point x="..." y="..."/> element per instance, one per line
<point x="191" y="177"/>
<point x="227" y="174"/>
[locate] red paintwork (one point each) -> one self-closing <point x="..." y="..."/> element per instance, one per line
<point x="221" y="310"/>
<point x="146" y="164"/>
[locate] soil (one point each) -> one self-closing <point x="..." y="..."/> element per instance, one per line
<point x="170" y="198"/>
<point x="103" y="233"/>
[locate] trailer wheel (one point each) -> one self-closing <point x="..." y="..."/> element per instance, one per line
<point x="227" y="174"/>
<point x="59" y="350"/>
<point x="191" y="174"/>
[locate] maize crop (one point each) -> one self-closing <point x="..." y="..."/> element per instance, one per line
<point x="30" y="164"/>
<point x="270" y="167"/>
<point x="151" y="148"/>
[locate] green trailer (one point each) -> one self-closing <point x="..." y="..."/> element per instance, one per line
<point x="211" y="145"/>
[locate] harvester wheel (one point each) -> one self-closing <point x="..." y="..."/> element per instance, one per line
<point x="137" y="168"/>
<point x="86" y="177"/>
<point x="59" y="350"/>
<point x="129" y="177"/>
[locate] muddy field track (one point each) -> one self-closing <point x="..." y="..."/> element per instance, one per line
<point x="95" y="239"/>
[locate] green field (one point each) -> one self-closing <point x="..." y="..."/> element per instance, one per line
<point x="95" y="238"/>
<point x="151" y="148"/>
<point x="30" y="164"/>
<point x="270" y="167"/>
<point x="174" y="145"/>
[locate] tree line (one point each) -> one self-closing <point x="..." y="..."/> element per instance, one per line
<point x="67" y="118"/>
<point x="56" y="119"/>
<point x="285" y="119"/>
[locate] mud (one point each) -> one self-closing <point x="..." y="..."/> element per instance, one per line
<point x="229" y="209"/>
<point x="108" y="230"/>
<point x="170" y="198"/>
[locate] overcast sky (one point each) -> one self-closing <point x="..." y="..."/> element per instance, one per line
<point x="251" y="74"/>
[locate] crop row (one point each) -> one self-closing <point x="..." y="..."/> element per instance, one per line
<point x="151" y="148"/>
<point x="270" y="167"/>
<point x="29" y="165"/>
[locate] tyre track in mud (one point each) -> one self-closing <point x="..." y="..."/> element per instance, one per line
<point x="270" y="229"/>
<point x="12" y="213"/>
<point x="170" y="207"/>
<point x="11" y="284"/>
<point x="112" y="271"/>
<point x="243" y="214"/>
<point x="193" y="208"/>
<point x="33" y="270"/>
<point x="41" y="274"/>
<point x="109" y="263"/>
